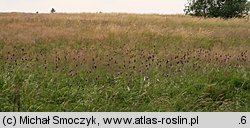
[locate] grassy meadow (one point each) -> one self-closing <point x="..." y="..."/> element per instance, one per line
<point x="123" y="62"/>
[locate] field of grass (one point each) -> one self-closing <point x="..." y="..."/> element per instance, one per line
<point x="123" y="62"/>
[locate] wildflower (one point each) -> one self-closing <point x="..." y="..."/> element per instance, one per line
<point x="146" y="78"/>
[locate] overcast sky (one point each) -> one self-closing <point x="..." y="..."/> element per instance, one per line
<point x="130" y="6"/>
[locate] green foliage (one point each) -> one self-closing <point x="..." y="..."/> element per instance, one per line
<point x="218" y="8"/>
<point x="248" y="6"/>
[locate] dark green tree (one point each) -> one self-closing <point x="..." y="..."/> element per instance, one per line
<point x="217" y="8"/>
<point x="52" y="10"/>
<point x="248" y="6"/>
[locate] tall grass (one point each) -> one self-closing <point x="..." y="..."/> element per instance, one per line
<point x="123" y="62"/>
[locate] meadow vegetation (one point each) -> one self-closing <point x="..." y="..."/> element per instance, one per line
<point x="123" y="62"/>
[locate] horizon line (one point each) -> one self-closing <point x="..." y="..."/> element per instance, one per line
<point x="90" y="12"/>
